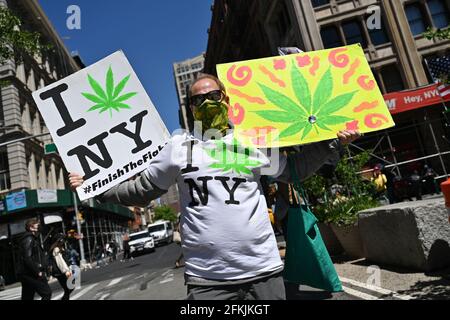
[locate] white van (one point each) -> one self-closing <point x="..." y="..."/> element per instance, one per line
<point x="162" y="231"/>
<point x="141" y="242"/>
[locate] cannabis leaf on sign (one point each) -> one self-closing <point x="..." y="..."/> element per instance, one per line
<point x="232" y="157"/>
<point x="108" y="99"/>
<point x="309" y="111"/>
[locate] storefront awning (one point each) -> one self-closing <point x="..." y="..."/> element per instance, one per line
<point x="26" y="200"/>
<point x="406" y="100"/>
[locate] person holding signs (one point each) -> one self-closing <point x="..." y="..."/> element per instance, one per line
<point x="228" y="243"/>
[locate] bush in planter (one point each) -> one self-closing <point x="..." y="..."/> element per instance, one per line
<point x="338" y="200"/>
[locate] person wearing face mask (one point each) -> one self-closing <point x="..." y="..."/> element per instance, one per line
<point x="32" y="266"/>
<point x="229" y="247"/>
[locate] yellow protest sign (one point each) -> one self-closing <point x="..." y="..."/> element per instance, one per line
<point x="302" y="98"/>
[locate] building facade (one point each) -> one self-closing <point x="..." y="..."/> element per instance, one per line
<point x="391" y="34"/>
<point x="33" y="183"/>
<point x="184" y="73"/>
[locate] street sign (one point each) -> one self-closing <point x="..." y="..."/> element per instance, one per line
<point x="50" y="148"/>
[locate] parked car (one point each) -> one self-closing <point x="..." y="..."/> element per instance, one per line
<point x="141" y="242"/>
<point x="162" y="231"/>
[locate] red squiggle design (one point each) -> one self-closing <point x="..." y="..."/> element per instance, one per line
<point x="375" y="120"/>
<point x="369" y="85"/>
<point x="272" y="77"/>
<point x="243" y="73"/>
<point x="315" y="66"/>
<point x="236" y="92"/>
<point x="352" y="125"/>
<point x="366" y="106"/>
<point x="236" y="119"/>
<point x="340" y="61"/>
<point x="351" y="71"/>
<point x="259" y="134"/>
<point x="279" y="64"/>
<point x="303" y="61"/>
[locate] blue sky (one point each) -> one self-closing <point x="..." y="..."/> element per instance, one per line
<point x="153" y="34"/>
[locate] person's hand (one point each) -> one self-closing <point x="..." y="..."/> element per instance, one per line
<point x="68" y="274"/>
<point x="348" y="136"/>
<point x="40" y="274"/>
<point x="75" y="181"/>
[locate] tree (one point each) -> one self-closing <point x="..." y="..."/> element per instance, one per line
<point x="165" y="213"/>
<point x="15" y="42"/>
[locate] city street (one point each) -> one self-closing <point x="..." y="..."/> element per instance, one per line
<point x="153" y="277"/>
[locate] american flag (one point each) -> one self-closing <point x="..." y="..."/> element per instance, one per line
<point x="440" y="72"/>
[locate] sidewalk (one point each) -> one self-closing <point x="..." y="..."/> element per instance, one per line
<point x="388" y="280"/>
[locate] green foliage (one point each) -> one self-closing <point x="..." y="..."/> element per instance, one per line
<point x="165" y="213"/>
<point x="15" y="42"/>
<point x="355" y="193"/>
<point x="440" y="34"/>
<point x="108" y="99"/>
<point x="309" y="112"/>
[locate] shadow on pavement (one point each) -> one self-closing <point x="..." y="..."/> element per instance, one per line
<point x="428" y="290"/>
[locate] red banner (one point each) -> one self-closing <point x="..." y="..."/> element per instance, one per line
<point x="413" y="99"/>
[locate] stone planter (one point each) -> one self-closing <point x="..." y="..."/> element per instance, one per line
<point x="332" y="243"/>
<point x="413" y="235"/>
<point x="350" y="240"/>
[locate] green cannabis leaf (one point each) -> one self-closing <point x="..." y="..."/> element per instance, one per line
<point x="309" y="112"/>
<point x="232" y="157"/>
<point x="108" y="99"/>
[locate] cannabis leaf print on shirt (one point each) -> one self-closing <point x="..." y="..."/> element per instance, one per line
<point x="232" y="157"/>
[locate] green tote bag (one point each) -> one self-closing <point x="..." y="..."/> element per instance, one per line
<point x="307" y="260"/>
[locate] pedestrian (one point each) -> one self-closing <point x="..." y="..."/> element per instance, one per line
<point x="390" y="180"/>
<point x="33" y="263"/>
<point x="416" y="185"/>
<point x="126" y="247"/>
<point x="177" y="240"/>
<point x="380" y="182"/>
<point x="60" y="269"/>
<point x="99" y="254"/>
<point x="430" y="185"/>
<point x="113" y="248"/>
<point x="229" y="247"/>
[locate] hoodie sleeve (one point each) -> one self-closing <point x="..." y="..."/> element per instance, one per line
<point x="138" y="192"/>
<point x="311" y="158"/>
<point x="150" y="184"/>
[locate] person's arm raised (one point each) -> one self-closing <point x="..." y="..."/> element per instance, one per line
<point x="138" y="192"/>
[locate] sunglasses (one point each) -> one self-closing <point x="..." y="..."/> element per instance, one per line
<point x="215" y="95"/>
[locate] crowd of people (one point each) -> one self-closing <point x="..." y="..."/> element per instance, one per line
<point x="392" y="187"/>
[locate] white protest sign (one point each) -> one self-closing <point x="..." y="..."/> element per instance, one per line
<point x="103" y="123"/>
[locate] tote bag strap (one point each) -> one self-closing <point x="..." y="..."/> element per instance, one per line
<point x="297" y="186"/>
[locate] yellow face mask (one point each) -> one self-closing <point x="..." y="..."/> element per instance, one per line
<point x="213" y="115"/>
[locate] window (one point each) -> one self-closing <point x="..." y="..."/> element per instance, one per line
<point x="5" y="182"/>
<point x="318" y="3"/>
<point x="392" y="78"/>
<point x="330" y="37"/>
<point x="439" y="13"/>
<point x="416" y="18"/>
<point x="353" y="33"/>
<point x="379" y="36"/>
